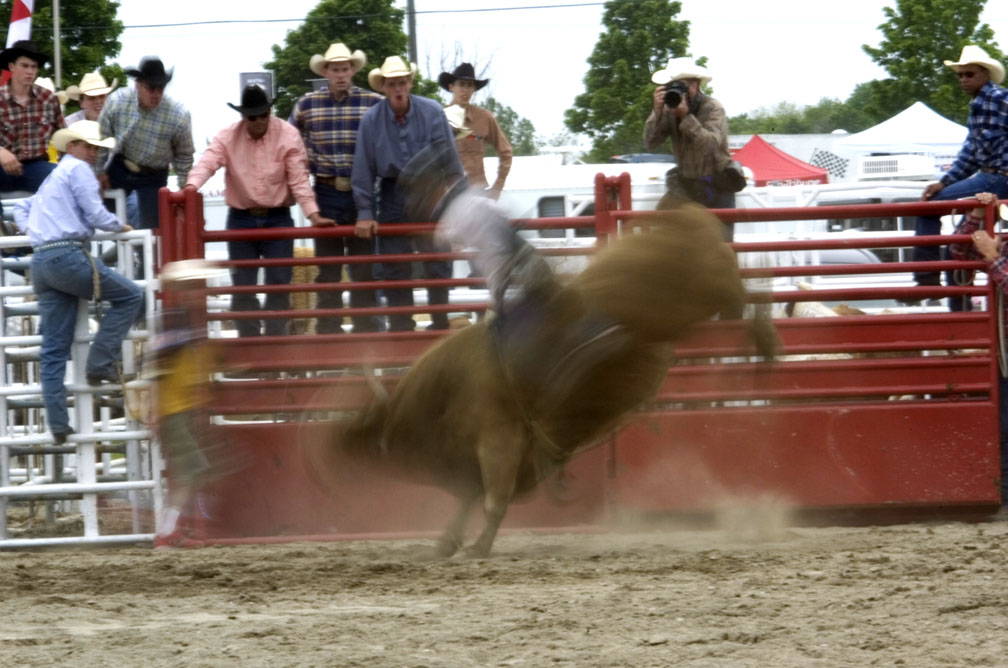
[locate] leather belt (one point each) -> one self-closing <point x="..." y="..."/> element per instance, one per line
<point x="59" y="244"/>
<point x="262" y="211"/>
<point x="140" y="169"/>
<point x="991" y="170"/>
<point x="341" y="183"/>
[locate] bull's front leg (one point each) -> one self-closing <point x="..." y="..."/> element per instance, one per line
<point x="451" y="540"/>
<point x="500" y="454"/>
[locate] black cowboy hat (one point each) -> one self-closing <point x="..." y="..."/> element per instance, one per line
<point x="254" y="101"/>
<point x="22" y="47"/>
<point x="465" y="72"/>
<point x="151" y="71"/>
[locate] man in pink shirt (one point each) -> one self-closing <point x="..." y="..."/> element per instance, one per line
<point x="265" y="173"/>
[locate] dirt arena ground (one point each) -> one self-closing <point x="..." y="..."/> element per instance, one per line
<point x="912" y="595"/>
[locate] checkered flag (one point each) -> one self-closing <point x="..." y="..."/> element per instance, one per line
<point x="831" y="162"/>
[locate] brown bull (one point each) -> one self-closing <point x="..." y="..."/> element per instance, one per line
<point x="460" y="420"/>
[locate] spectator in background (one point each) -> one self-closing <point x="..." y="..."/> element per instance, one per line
<point x="59" y="220"/>
<point x="698" y="128"/>
<point x="91" y="94"/>
<point x="265" y="172"/>
<point x="29" y="116"/>
<point x="483" y="130"/>
<point x="328" y="120"/>
<point x="391" y="133"/>
<point x="982" y="163"/>
<point x="153" y="132"/>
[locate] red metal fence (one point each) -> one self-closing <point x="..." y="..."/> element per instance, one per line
<point x="820" y="429"/>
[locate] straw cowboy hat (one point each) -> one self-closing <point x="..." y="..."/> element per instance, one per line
<point x="681" y="68"/>
<point x="464" y="72"/>
<point x="974" y="55"/>
<point x="190" y="270"/>
<point x="93" y="84"/>
<point x="151" y="71"/>
<point x="47" y="83"/>
<point x="337" y="53"/>
<point x="394" y="66"/>
<point x="22" y="47"/>
<point x="254" y="102"/>
<point x="87" y="131"/>
<point x="456" y="118"/>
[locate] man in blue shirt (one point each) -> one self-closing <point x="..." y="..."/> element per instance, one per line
<point x="982" y="164"/>
<point x="390" y="134"/>
<point x="59" y="220"/>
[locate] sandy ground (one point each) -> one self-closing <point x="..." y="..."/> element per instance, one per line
<point x="913" y="595"/>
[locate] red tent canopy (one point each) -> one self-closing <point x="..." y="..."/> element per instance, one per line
<point x="772" y="167"/>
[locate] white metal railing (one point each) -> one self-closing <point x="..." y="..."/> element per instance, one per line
<point x="31" y="469"/>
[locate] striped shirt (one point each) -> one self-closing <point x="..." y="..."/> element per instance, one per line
<point x="986" y="143"/>
<point x="152" y="138"/>
<point x="26" y="130"/>
<point x="329" y="128"/>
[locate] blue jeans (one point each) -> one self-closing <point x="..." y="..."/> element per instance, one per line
<point x="339" y="206"/>
<point x="61" y="276"/>
<point x="931" y="225"/>
<point x="146" y="187"/>
<point x="254" y="250"/>
<point x="32" y="175"/>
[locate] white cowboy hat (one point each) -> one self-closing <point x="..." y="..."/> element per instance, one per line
<point x="974" y="55"/>
<point x="87" y="131"/>
<point x="681" y="68"/>
<point x="47" y="83"/>
<point x="191" y="270"/>
<point x="456" y="118"/>
<point x="337" y="53"/>
<point x="394" y="66"/>
<point x="93" y="84"/>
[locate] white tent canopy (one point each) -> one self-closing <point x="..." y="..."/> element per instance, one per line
<point x="916" y="129"/>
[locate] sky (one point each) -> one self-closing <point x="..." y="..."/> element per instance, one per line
<point x="534" y="51"/>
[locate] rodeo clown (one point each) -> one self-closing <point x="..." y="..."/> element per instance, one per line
<point x="522" y="286"/>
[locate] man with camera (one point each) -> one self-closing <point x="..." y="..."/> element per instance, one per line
<point x="698" y="127"/>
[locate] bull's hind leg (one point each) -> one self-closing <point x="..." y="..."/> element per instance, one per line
<point x="500" y="454"/>
<point x="451" y="540"/>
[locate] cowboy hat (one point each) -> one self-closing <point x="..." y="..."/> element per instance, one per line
<point x="151" y="71"/>
<point x="254" y="101"/>
<point x="974" y="55"/>
<point x="681" y="68"/>
<point x="464" y="72"/>
<point x="337" y="53"/>
<point x="394" y="66"/>
<point x="47" y="83"/>
<point x="87" y="131"/>
<point x="456" y="118"/>
<point x="22" y="47"/>
<point x="93" y="84"/>
<point x="190" y="270"/>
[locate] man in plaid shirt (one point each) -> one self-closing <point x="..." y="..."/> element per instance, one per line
<point x="982" y="164"/>
<point x="153" y="132"/>
<point x="29" y="115"/>
<point x="328" y="121"/>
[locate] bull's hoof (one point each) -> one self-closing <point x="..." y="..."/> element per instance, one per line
<point x="476" y="551"/>
<point x="444" y="549"/>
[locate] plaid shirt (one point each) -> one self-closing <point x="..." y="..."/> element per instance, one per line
<point x="329" y="128"/>
<point x="699" y="141"/>
<point x="149" y="137"/>
<point x="986" y="143"/>
<point x="997" y="269"/>
<point x="25" y="131"/>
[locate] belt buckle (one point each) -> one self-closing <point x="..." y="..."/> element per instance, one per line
<point x="258" y="211"/>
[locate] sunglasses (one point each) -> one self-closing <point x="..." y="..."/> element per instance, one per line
<point x="966" y="75"/>
<point x="257" y="117"/>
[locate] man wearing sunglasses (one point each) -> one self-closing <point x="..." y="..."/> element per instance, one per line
<point x="265" y="172"/>
<point x="982" y="163"/>
<point x="153" y="133"/>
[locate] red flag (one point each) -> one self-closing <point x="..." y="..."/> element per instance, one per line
<point x="20" y="28"/>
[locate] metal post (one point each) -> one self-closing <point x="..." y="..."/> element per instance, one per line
<point x="411" y="29"/>
<point x="57" y="56"/>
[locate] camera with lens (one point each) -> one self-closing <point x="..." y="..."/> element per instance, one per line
<point x="674" y="92"/>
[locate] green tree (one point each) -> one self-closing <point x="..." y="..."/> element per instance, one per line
<point x="916" y="37"/>
<point x="89" y="37"/>
<point x="518" y="129"/>
<point x="373" y="26"/>
<point x="638" y="39"/>
<point x="786" y="118"/>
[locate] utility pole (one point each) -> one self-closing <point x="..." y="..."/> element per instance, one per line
<point x="411" y="30"/>
<point x="57" y="59"/>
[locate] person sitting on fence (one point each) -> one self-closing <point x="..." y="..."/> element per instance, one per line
<point x="266" y="170"/>
<point x="994" y="252"/>
<point x="59" y="220"/>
